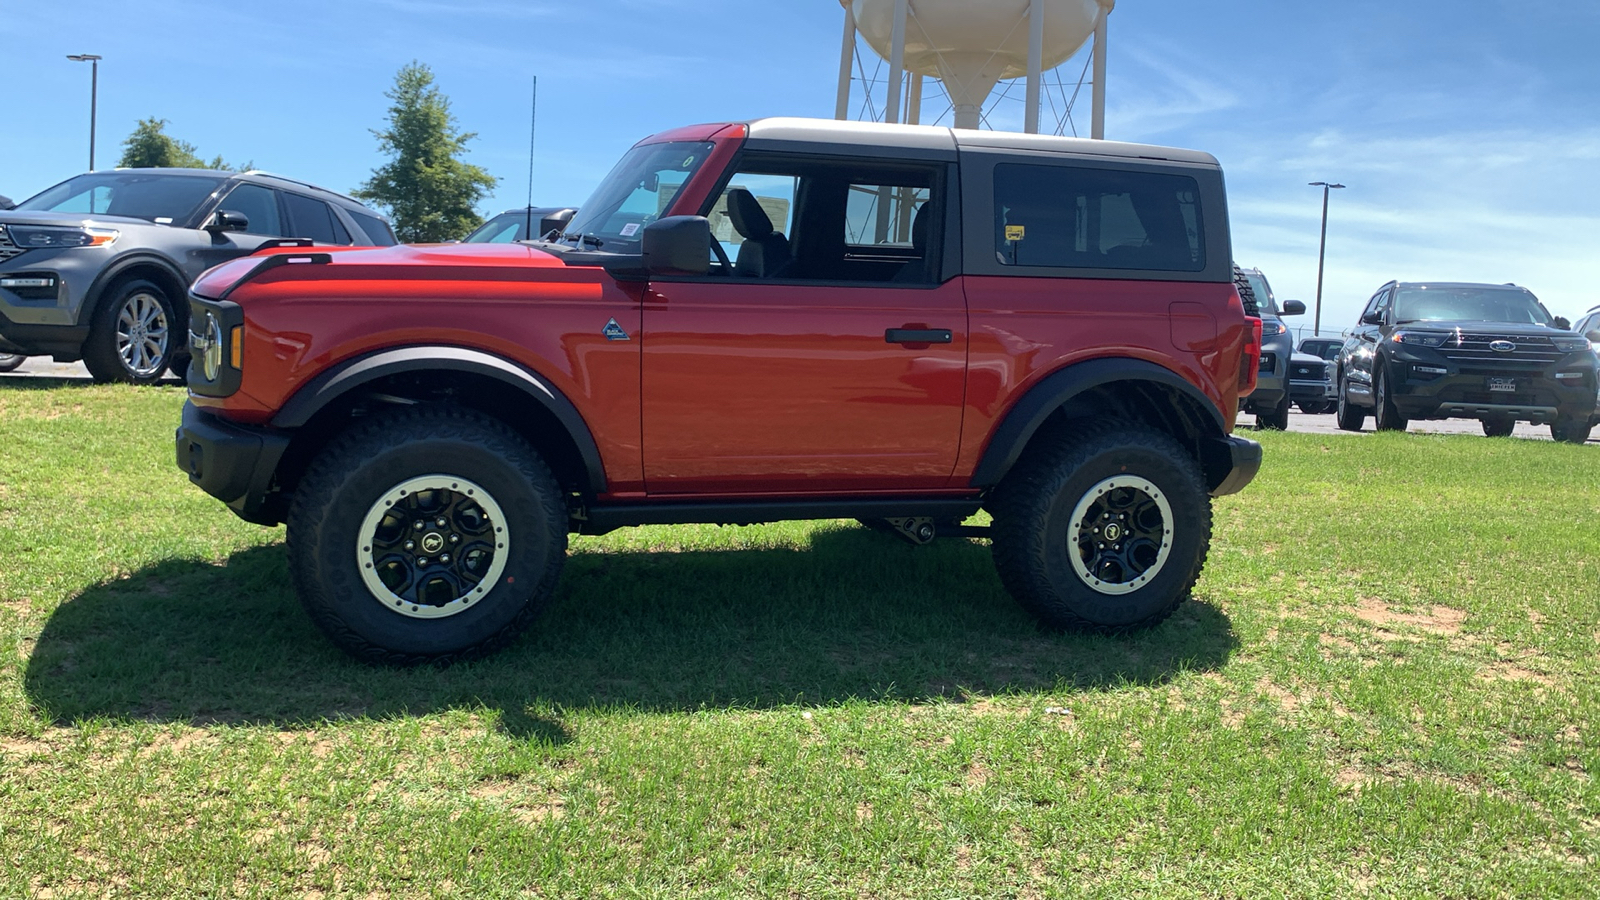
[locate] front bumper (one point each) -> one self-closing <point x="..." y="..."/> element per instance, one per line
<point x="1230" y="463"/>
<point x="233" y="463"/>
<point x="1420" y="390"/>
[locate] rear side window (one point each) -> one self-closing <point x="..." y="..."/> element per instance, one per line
<point x="1071" y="217"/>
<point x="259" y="205"/>
<point x="312" y="219"/>
<point x="377" y="229"/>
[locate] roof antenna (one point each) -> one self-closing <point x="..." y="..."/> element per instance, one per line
<point x="533" y="132"/>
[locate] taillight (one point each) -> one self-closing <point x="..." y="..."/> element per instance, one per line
<point x="1250" y="359"/>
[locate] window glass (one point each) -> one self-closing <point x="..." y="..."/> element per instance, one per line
<point x="163" y="199"/>
<point x="775" y="194"/>
<point x="882" y="214"/>
<point x="311" y="219"/>
<point x="260" y="206"/>
<point x="637" y="192"/>
<point x="1470" y="304"/>
<point x="505" y="228"/>
<point x="1097" y="219"/>
<point x="377" y="230"/>
<point x="341" y="235"/>
<point x="1264" y="299"/>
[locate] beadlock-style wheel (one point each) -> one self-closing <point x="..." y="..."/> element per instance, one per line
<point x="1122" y="534"/>
<point x="432" y="545"/>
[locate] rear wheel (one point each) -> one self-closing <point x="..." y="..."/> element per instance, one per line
<point x="1499" y="426"/>
<point x="10" y="361"/>
<point x="1104" y="529"/>
<point x="1384" y="414"/>
<point x="1350" y="416"/>
<point x="428" y="535"/>
<point x="1313" y="407"/>
<point x="1571" y="431"/>
<point x="133" y="335"/>
<point x="1276" y="418"/>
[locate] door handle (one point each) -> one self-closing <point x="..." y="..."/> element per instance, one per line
<point x="917" y="336"/>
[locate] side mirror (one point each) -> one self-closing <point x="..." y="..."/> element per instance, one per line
<point x="1563" y="323"/>
<point x="677" y="245"/>
<point x="1294" y="308"/>
<point x="5" y="203"/>
<point x="227" y="220"/>
<point x="556" y="221"/>
<point x="1373" y="318"/>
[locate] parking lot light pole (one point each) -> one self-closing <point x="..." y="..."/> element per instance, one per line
<point x="94" y="94"/>
<point x="1322" y="253"/>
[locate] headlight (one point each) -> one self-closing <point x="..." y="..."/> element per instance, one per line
<point x="41" y="237"/>
<point x="1270" y="327"/>
<point x="1570" y="344"/>
<point x="1420" y="338"/>
<point x="211" y="355"/>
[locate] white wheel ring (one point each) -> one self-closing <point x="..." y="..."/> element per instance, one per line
<point x="1075" y="527"/>
<point x="380" y="508"/>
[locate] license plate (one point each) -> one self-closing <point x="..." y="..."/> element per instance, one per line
<point x="1509" y="385"/>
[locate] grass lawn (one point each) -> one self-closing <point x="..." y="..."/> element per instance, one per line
<point x="1386" y="685"/>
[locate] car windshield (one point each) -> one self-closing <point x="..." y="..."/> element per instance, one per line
<point x="1324" y="349"/>
<point x="502" y="229"/>
<point x="1264" y="299"/>
<point x="1420" y="304"/>
<point x="163" y="199"/>
<point x="636" y="193"/>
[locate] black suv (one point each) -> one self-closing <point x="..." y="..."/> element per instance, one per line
<point x="1489" y="352"/>
<point x="97" y="267"/>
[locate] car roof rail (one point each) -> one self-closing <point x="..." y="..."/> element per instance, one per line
<point x="304" y="184"/>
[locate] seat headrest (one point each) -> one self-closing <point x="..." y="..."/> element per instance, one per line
<point x="919" y="228"/>
<point x="749" y="219"/>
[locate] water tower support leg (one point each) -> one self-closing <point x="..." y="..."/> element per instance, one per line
<point x="847" y="59"/>
<point x="1097" y="129"/>
<point x="1035" y="65"/>
<point x="897" y="62"/>
<point x="914" y="102"/>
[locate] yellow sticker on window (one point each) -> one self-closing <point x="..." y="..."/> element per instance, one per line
<point x="1016" y="232"/>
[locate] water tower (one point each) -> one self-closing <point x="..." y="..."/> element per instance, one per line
<point x="970" y="46"/>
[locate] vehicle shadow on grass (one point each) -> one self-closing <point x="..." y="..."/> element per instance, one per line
<point x="856" y="616"/>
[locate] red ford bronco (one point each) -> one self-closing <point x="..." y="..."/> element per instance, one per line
<point x="781" y="319"/>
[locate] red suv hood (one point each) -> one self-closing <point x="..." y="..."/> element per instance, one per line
<point x="451" y="262"/>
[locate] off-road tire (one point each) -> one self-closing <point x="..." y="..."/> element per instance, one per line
<point x="1499" y="426"/>
<point x="1061" y="471"/>
<point x="1247" y="294"/>
<point x="102" y="353"/>
<point x="342" y="490"/>
<point x="1349" y="416"/>
<point x="1571" y="431"/>
<point x="1275" y="419"/>
<point x="1385" y="417"/>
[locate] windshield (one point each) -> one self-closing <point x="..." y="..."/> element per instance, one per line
<point x="636" y="193"/>
<point x="163" y="199"/>
<point x="1264" y="299"/>
<point x="1324" y="349"/>
<point x="1471" y="304"/>
<point x="502" y="229"/>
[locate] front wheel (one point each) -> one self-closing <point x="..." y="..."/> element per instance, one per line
<point x="1499" y="426"/>
<point x="10" y="361"/>
<point x="1571" y="430"/>
<point x="1350" y="417"/>
<point x="1384" y="413"/>
<point x="429" y="535"/>
<point x="1103" y="529"/>
<point x="1276" y="418"/>
<point x="133" y="335"/>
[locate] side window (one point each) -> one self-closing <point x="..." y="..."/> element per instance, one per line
<point x="1076" y="217"/>
<point x="341" y="234"/>
<point x="377" y="230"/>
<point x="1384" y="299"/>
<point x="260" y="206"/>
<point x="830" y="220"/>
<point x="311" y="218"/>
<point x="1372" y="305"/>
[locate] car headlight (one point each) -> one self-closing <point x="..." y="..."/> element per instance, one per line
<point x="50" y="237"/>
<point x="211" y="353"/>
<point x="1420" y="338"/>
<point x="1570" y="344"/>
<point x="1271" y="327"/>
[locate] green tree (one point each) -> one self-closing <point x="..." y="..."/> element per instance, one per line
<point x="150" y="147"/>
<point x="429" y="192"/>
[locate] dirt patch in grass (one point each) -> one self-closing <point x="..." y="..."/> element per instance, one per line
<point x="1506" y="671"/>
<point x="1437" y="620"/>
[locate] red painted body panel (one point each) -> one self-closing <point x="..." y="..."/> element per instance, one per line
<point x="754" y="388"/>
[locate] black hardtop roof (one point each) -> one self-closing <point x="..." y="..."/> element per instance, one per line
<point x="927" y="137"/>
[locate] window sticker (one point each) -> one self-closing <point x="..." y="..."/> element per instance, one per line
<point x="1016" y="232"/>
<point x="630" y="229"/>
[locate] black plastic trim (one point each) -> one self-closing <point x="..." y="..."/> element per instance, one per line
<point x="604" y="519"/>
<point x="233" y="463"/>
<point x="352" y="373"/>
<point x="110" y="274"/>
<point x="1230" y="463"/>
<point x="1060" y="387"/>
<point x="272" y="262"/>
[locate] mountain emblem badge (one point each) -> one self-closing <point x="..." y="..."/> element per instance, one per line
<point x="614" y="332"/>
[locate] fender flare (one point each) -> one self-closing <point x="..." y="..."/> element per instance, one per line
<point x="351" y="374"/>
<point x="109" y="275"/>
<point x="1059" y="388"/>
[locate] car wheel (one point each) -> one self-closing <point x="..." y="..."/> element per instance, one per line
<point x="133" y="335"/>
<point x="1571" y="431"/>
<point x="1276" y="418"/>
<point x="1313" y="407"/>
<point x="1499" y="426"/>
<point x="1350" y="417"/>
<point x="1384" y="414"/>
<point x="1103" y="529"/>
<point x="10" y="361"/>
<point x="427" y="535"/>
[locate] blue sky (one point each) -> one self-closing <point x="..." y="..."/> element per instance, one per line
<point x="1468" y="131"/>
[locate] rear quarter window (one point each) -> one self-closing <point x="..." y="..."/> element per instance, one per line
<point x="377" y="230"/>
<point x="1088" y="218"/>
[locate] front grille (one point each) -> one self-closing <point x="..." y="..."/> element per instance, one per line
<point x="1307" y="371"/>
<point x="8" y="248"/>
<point x="1269" y="362"/>
<point x="1470" y="347"/>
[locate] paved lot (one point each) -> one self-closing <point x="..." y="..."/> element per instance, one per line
<point x="43" y="366"/>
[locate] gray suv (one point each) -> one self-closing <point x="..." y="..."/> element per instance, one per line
<point x="1270" y="400"/>
<point x="98" y="267"/>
